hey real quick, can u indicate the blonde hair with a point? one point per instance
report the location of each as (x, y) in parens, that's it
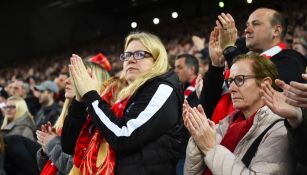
(21, 109)
(101, 74)
(154, 45)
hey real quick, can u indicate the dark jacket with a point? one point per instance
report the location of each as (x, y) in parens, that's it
(49, 113)
(148, 136)
(290, 65)
(20, 156)
(298, 143)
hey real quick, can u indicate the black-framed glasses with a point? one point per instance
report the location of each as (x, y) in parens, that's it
(137, 55)
(9, 107)
(239, 80)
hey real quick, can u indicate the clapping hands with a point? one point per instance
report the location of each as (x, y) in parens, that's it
(201, 129)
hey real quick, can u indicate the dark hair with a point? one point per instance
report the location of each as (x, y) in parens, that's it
(261, 67)
(278, 19)
(190, 61)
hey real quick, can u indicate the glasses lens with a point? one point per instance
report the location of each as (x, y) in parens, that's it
(139, 55)
(239, 80)
(124, 56)
(9, 107)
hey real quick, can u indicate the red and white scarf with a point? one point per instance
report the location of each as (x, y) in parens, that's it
(93, 155)
(190, 88)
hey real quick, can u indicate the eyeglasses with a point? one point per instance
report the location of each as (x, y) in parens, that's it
(239, 80)
(137, 55)
(9, 107)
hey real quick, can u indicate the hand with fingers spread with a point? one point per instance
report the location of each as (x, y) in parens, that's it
(215, 51)
(277, 102)
(201, 129)
(84, 80)
(199, 85)
(295, 92)
(228, 32)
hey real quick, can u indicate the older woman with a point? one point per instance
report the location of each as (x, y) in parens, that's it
(144, 124)
(17, 118)
(251, 140)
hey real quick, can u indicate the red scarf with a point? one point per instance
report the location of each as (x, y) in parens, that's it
(190, 88)
(90, 143)
(225, 106)
(236, 131)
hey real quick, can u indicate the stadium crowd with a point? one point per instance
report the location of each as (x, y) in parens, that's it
(219, 94)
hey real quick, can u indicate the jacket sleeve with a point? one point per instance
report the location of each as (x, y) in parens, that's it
(290, 66)
(297, 139)
(221, 161)
(41, 159)
(62, 161)
(212, 89)
(154, 110)
(194, 162)
(72, 126)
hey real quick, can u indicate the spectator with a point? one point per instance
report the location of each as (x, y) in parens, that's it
(186, 67)
(144, 126)
(50, 110)
(50, 157)
(241, 143)
(17, 118)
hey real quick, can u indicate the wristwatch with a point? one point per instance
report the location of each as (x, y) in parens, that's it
(229, 53)
(229, 50)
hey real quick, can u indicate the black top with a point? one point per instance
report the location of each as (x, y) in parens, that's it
(148, 136)
(20, 156)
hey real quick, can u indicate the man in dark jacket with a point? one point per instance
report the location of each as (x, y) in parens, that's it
(50, 110)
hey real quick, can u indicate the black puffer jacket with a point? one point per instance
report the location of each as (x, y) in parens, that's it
(148, 136)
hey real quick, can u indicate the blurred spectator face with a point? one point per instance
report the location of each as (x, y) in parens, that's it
(10, 110)
(69, 90)
(9, 88)
(44, 97)
(136, 68)
(298, 46)
(259, 31)
(60, 81)
(17, 89)
(183, 71)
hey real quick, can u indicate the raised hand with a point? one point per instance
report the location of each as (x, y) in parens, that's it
(277, 102)
(215, 51)
(228, 32)
(295, 92)
(83, 79)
